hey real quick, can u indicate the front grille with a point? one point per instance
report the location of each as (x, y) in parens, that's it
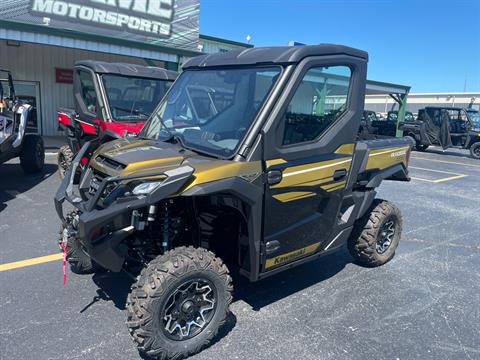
(95, 181)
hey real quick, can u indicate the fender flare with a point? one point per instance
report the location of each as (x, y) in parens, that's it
(23, 110)
(252, 195)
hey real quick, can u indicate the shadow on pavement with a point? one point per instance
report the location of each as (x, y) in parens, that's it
(14, 182)
(116, 286)
(461, 153)
(289, 282)
(111, 287)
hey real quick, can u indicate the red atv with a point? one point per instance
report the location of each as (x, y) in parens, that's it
(112, 100)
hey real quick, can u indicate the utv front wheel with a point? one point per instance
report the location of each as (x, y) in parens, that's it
(80, 262)
(376, 235)
(64, 160)
(475, 150)
(32, 156)
(179, 302)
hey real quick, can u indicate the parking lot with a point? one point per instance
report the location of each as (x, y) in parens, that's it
(423, 304)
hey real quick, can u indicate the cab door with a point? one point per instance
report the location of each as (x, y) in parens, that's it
(309, 144)
(87, 103)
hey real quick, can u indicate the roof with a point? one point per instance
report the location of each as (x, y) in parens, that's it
(271, 55)
(224, 41)
(377, 88)
(124, 69)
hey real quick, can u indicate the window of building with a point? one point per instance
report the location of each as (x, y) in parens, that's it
(318, 102)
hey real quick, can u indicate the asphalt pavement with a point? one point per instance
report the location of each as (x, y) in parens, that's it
(424, 304)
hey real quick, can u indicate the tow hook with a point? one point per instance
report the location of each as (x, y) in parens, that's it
(66, 235)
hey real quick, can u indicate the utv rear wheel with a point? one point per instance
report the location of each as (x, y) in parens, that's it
(376, 235)
(64, 160)
(32, 156)
(179, 303)
(475, 150)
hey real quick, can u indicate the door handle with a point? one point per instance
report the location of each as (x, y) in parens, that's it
(274, 177)
(339, 174)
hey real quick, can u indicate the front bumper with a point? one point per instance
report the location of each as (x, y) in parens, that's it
(101, 230)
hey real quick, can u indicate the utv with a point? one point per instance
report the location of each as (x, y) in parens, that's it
(112, 100)
(446, 127)
(250, 161)
(388, 127)
(367, 131)
(14, 141)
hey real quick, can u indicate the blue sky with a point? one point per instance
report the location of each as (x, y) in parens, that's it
(433, 46)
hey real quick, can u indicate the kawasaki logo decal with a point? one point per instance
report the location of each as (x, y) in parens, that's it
(288, 257)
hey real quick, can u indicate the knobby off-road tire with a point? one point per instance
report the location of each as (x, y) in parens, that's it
(80, 263)
(157, 302)
(376, 235)
(32, 156)
(475, 151)
(64, 160)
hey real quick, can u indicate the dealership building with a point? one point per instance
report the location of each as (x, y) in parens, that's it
(416, 101)
(40, 40)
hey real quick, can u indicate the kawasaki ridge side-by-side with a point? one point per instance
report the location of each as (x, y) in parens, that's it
(250, 162)
(448, 127)
(112, 100)
(15, 141)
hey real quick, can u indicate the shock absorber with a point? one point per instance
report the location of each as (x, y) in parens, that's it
(166, 223)
(152, 211)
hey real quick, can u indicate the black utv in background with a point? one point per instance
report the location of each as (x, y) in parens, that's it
(15, 141)
(388, 127)
(249, 163)
(446, 127)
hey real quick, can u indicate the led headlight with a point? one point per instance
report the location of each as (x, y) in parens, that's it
(146, 188)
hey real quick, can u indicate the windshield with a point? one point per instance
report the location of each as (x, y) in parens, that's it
(475, 118)
(133, 98)
(211, 110)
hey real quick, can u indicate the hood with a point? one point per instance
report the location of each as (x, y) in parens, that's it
(125, 157)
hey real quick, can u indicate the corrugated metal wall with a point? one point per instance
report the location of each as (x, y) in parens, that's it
(212, 47)
(33, 62)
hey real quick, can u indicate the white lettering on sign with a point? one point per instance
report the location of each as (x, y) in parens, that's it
(153, 15)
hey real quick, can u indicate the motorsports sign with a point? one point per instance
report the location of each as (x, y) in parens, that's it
(171, 23)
